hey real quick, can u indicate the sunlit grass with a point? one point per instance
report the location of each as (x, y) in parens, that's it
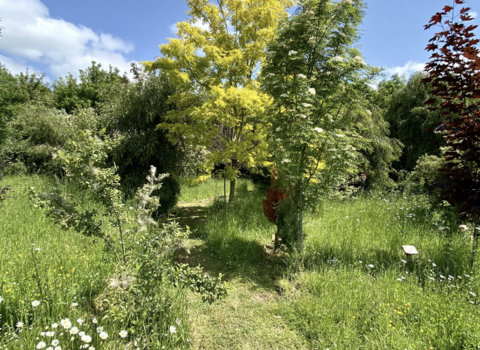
(354, 288)
(71, 268)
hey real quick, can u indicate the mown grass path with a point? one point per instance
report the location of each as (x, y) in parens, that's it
(247, 318)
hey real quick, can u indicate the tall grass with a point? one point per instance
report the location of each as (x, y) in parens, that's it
(48, 275)
(68, 269)
(354, 288)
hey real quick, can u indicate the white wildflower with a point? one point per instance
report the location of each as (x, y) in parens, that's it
(301, 76)
(103, 335)
(306, 105)
(123, 334)
(74, 330)
(80, 321)
(173, 329)
(66, 323)
(463, 228)
(371, 266)
(86, 339)
(369, 112)
(94, 320)
(19, 324)
(55, 325)
(50, 334)
(318, 129)
(35, 303)
(41, 345)
(74, 304)
(55, 342)
(312, 91)
(292, 52)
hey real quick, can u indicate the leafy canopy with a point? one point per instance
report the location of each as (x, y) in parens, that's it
(215, 66)
(319, 83)
(454, 74)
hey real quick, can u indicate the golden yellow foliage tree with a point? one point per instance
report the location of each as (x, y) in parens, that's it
(214, 63)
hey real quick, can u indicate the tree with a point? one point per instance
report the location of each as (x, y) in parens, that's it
(412, 122)
(215, 67)
(319, 83)
(15, 91)
(454, 74)
(134, 110)
(91, 89)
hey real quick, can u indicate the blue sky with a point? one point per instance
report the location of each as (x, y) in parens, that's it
(59, 36)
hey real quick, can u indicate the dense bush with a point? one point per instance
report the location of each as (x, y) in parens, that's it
(37, 131)
(32, 137)
(412, 122)
(89, 90)
(134, 111)
(16, 91)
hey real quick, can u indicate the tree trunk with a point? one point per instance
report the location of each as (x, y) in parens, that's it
(300, 230)
(233, 164)
(232, 191)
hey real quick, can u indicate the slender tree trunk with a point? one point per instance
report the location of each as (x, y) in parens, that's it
(225, 191)
(234, 164)
(232, 191)
(300, 229)
(475, 239)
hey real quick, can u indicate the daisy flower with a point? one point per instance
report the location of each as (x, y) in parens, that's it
(103, 335)
(35, 303)
(74, 330)
(66, 323)
(86, 338)
(41, 345)
(173, 329)
(123, 334)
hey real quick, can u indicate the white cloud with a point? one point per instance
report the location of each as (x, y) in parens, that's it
(473, 14)
(173, 28)
(201, 24)
(13, 66)
(197, 23)
(31, 36)
(409, 68)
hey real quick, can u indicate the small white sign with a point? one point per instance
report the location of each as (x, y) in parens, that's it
(410, 250)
